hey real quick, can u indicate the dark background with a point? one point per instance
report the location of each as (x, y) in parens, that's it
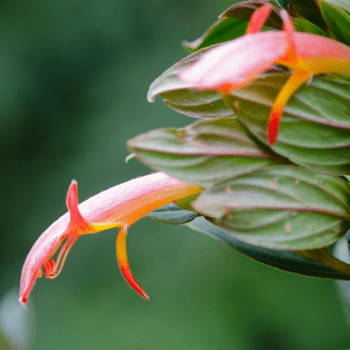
(73, 82)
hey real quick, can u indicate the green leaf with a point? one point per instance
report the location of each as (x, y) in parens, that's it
(344, 4)
(281, 259)
(324, 256)
(224, 29)
(202, 153)
(315, 127)
(280, 207)
(244, 11)
(184, 99)
(341, 251)
(310, 10)
(283, 3)
(338, 21)
(172, 214)
(303, 25)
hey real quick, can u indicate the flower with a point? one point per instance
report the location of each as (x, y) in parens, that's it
(119, 206)
(234, 64)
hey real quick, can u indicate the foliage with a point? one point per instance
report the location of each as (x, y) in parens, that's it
(270, 199)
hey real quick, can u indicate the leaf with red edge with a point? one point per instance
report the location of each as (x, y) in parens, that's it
(315, 127)
(244, 11)
(184, 99)
(281, 259)
(310, 10)
(303, 25)
(202, 153)
(338, 21)
(280, 207)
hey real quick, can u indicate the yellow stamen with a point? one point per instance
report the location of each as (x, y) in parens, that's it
(298, 78)
(124, 263)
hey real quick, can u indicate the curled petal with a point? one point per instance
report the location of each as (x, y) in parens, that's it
(76, 219)
(121, 205)
(258, 19)
(124, 263)
(235, 64)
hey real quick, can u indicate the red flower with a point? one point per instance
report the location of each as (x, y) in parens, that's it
(233, 65)
(119, 206)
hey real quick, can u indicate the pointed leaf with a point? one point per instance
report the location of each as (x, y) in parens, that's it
(244, 11)
(179, 96)
(315, 127)
(310, 10)
(303, 25)
(283, 4)
(185, 99)
(172, 214)
(344, 4)
(202, 153)
(281, 259)
(338, 21)
(280, 207)
(223, 30)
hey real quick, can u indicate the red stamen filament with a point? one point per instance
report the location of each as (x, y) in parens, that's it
(52, 269)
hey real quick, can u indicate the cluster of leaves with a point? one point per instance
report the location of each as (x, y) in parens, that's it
(282, 205)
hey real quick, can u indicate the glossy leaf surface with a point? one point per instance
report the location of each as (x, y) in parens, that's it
(172, 214)
(179, 96)
(338, 21)
(280, 207)
(203, 153)
(310, 10)
(315, 127)
(244, 10)
(344, 4)
(223, 30)
(281, 259)
(303, 25)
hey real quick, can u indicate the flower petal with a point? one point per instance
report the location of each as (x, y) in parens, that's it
(121, 205)
(236, 63)
(258, 19)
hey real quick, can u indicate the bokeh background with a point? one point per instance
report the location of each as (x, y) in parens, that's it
(73, 82)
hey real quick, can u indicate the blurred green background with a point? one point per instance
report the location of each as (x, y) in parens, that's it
(74, 78)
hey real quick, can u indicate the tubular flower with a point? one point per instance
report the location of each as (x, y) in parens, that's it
(119, 206)
(233, 65)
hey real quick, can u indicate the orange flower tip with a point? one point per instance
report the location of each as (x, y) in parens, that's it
(124, 263)
(131, 280)
(23, 300)
(274, 125)
(225, 88)
(258, 19)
